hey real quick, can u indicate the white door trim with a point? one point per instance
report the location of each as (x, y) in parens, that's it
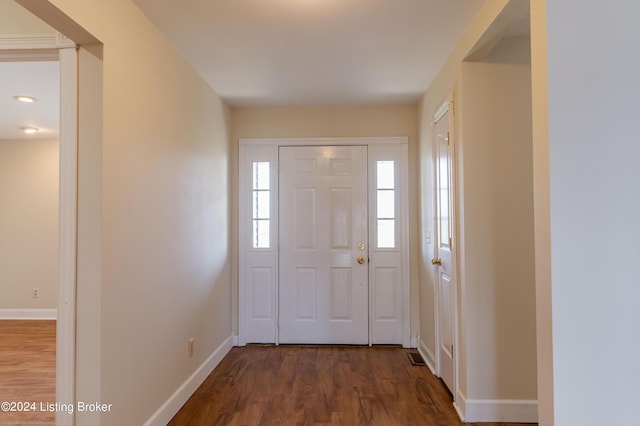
(278, 142)
(66, 324)
(269, 150)
(447, 107)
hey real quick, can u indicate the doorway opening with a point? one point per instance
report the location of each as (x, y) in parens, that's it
(29, 195)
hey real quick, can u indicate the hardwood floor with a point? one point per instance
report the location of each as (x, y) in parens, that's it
(27, 369)
(299, 385)
(256, 385)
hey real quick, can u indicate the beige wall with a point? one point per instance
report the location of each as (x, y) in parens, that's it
(496, 235)
(163, 214)
(333, 122)
(28, 223)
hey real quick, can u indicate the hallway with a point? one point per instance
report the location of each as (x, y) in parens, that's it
(320, 385)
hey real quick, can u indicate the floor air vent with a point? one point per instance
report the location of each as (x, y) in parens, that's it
(416, 358)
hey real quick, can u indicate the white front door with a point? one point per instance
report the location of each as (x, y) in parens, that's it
(443, 260)
(323, 289)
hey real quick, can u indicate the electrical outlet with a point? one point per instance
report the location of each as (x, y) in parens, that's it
(35, 292)
(190, 346)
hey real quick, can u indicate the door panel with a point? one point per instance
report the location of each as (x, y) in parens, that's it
(323, 291)
(261, 287)
(305, 218)
(386, 284)
(389, 264)
(340, 206)
(341, 296)
(306, 287)
(446, 289)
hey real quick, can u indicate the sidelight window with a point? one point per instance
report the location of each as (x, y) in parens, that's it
(386, 204)
(261, 197)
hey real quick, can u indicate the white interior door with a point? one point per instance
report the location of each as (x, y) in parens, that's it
(443, 259)
(323, 289)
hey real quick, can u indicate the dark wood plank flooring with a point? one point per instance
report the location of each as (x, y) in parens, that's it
(300, 385)
(27, 369)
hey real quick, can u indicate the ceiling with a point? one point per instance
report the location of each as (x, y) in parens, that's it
(36, 79)
(314, 52)
(277, 53)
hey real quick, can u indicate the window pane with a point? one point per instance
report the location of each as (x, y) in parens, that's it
(443, 199)
(386, 204)
(385, 175)
(261, 204)
(261, 175)
(261, 233)
(261, 199)
(386, 233)
(444, 217)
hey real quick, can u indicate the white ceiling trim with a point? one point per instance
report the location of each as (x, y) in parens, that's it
(12, 44)
(22, 55)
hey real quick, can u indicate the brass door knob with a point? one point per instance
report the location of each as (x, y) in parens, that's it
(361, 260)
(436, 261)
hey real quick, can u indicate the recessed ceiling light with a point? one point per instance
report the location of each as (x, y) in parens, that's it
(29, 130)
(23, 98)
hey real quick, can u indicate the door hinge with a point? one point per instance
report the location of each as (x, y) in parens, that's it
(450, 242)
(452, 350)
(448, 139)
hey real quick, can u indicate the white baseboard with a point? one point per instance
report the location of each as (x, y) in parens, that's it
(459, 404)
(235, 340)
(171, 406)
(414, 342)
(428, 357)
(497, 410)
(28, 314)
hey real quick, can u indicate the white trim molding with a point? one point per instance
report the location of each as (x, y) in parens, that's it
(414, 342)
(497, 410)
(325, 141)
(444, 108)
(52, 40)
(32, 47)
(28, 314)
(459, 403)
(67, 236)
(172, 405)
(428, 356)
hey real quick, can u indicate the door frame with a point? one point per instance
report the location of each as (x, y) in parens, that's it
(58, 48)
(447, 107)
(266, 149)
